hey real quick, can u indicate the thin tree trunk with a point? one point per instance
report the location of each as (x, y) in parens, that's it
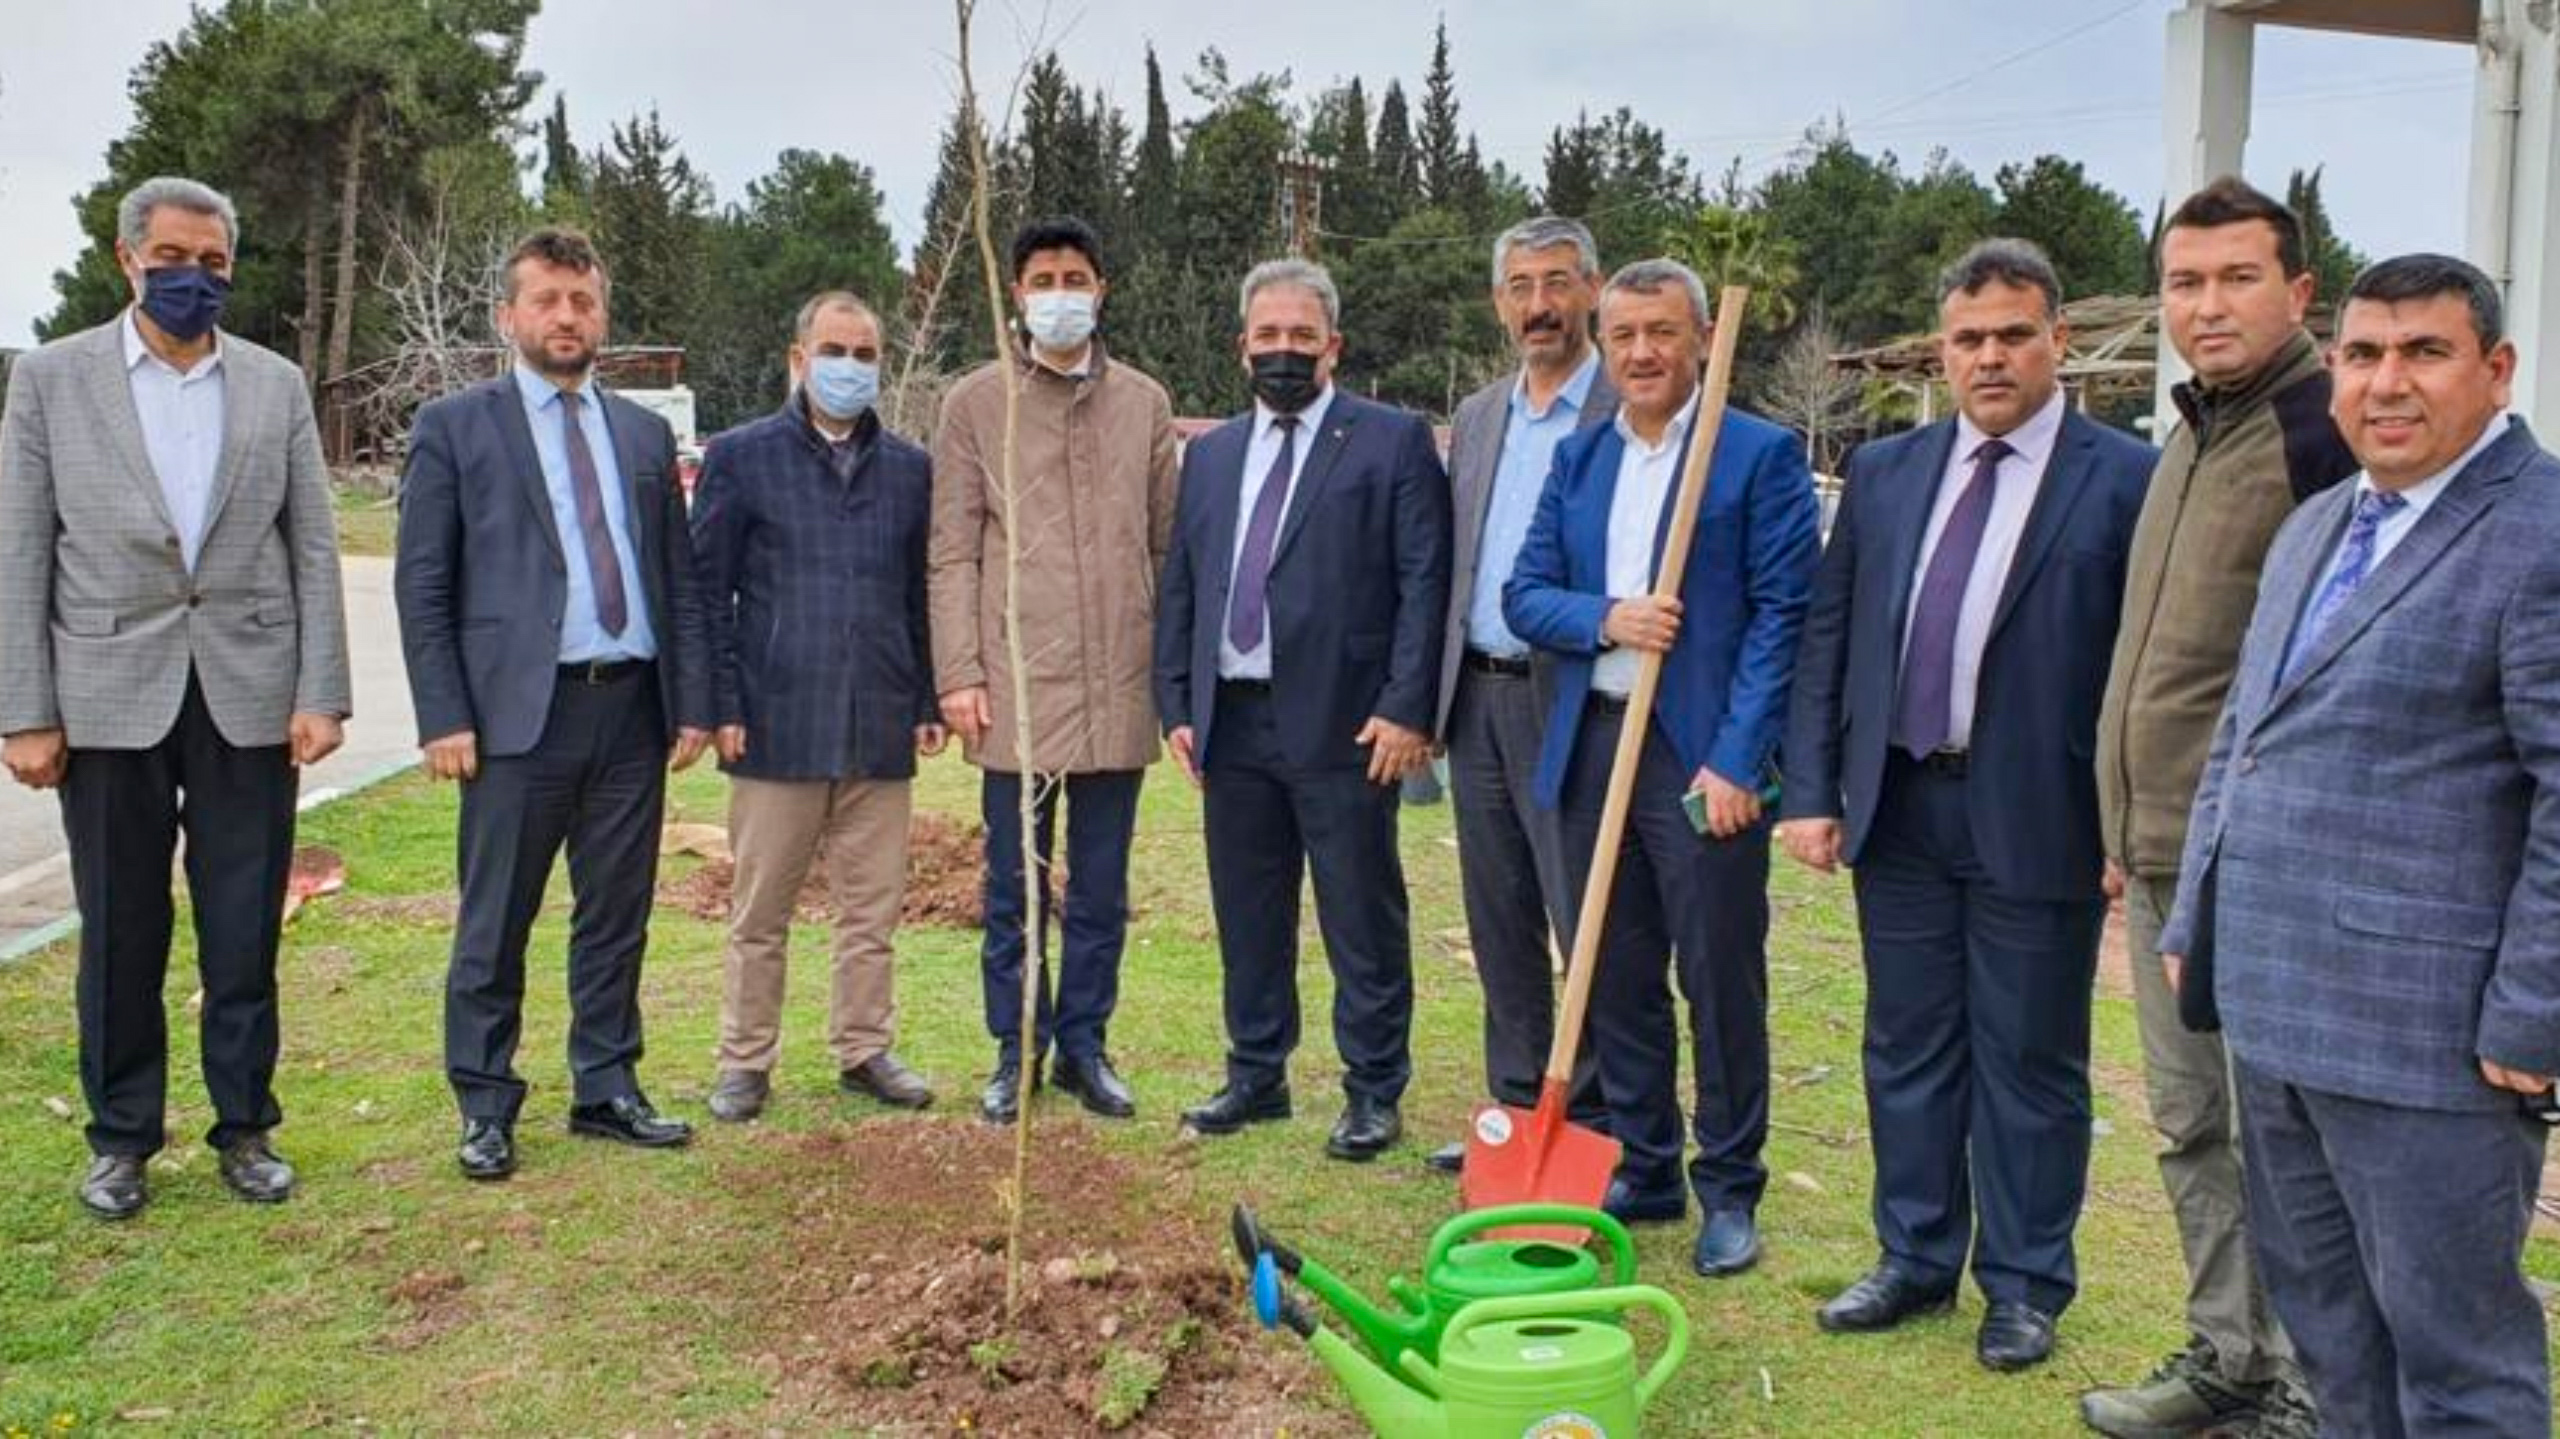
(315, 235)
(342, 318)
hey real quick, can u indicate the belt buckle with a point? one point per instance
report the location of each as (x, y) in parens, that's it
(592, 672)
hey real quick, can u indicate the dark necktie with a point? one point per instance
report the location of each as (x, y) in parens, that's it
(1926, 710)
(2355, 561)
(604, 568)
(1262, 534)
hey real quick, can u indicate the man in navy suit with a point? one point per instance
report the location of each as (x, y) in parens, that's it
(2370, 894)
(1939, 742)
(1298, 636)
(556, 652)
(1582, 589)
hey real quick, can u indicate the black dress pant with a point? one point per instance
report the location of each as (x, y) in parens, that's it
(1687, 905)
(596, 782)
(1268, 823)
(122, 812)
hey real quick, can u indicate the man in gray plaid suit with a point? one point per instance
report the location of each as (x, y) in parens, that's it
(2370, 895)
(172, 647)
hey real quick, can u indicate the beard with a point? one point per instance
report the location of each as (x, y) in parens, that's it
(537, 352)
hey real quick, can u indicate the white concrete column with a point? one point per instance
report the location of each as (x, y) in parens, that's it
(2515, 199)
(2205, 120)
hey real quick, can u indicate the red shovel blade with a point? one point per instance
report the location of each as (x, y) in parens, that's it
(1536, 1156)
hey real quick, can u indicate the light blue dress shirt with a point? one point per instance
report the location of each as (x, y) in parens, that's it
(2421, 496)
(1259, 456)
(182, 420)
(1529, 440)
(582, 636)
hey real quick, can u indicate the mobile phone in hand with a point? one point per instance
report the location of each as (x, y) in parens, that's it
(1693, 803)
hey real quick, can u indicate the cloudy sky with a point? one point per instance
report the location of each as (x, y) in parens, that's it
(740, 80)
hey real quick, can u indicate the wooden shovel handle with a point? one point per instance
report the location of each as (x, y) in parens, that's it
(1703, 431)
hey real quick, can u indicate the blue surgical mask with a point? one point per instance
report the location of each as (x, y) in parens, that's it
(183, 300)
(1059, 320)
(841, 386)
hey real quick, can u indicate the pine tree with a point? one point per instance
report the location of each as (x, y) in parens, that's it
(564, 170)
(1573, 172)
(1154, 177)
(652, 213)
(1393, 160)
(1338, 135)
(2333, 262)
(1440, 148)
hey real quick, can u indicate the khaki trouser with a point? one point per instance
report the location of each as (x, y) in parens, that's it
(2195, 1109)
(777, 828)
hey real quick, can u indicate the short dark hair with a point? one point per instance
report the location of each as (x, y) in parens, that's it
(2003, 261)
(1058, 232)
(2231, 200)
(559, 245)
(2423, 277)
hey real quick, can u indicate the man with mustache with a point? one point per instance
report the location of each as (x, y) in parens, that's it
(1546, 281)
(557, 658)
(1945, 707)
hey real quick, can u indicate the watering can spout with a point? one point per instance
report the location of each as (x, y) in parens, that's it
(1391, 1406)
(1387, 1334)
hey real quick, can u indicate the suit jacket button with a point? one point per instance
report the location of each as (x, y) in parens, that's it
(171, 542)
(2248, 764)
(194, 600)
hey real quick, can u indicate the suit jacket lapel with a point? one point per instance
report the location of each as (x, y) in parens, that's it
(515, 435)
(2284, 588)
(1227, 502)
(112, 386)
(1911, 525)
(629, 461)
(2063, 483)
(1312, 475)
(238, 405)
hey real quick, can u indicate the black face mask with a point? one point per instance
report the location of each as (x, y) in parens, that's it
(1285, 380)
(183, 300)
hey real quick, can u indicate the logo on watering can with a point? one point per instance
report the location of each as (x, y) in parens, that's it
(1493, 1126)
(1565, 1426)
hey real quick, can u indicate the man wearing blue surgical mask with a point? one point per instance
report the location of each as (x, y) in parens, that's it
(1091, 510)
(809, 532)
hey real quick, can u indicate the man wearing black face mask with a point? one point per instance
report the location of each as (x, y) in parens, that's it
(172, 647)
(1298, 635)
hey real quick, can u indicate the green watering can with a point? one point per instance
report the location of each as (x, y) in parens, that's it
(1462, 1267)
(1537, 1366)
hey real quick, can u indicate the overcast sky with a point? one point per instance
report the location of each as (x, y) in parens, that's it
(738, 81)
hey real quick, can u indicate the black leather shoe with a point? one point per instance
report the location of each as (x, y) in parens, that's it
(1365, 1130)
(739, 1095)
(2014, 1336)
(885, 1079)
(1881, 1299)
(115, 1188)
(488, 1149)
(1728, 1243)
(628, 1119)
(254, 1172)
(1001, 1101)
(1653, 1204)
(1231, 1109)
(1096, 1085)
(1448, 1158)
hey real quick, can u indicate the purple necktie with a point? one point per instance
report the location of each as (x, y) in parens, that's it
(2355, 561)
(603, 567)
(1261, 536)
(1926, 710)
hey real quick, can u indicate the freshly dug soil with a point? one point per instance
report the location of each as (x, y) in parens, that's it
(892, 1314)
(944, 876)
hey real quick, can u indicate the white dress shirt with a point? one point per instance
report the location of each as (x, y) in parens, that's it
(1259, 457)
(2021, 477)
(181, 414)
(1647, 476)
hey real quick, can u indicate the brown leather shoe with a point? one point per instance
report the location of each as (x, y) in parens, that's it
(738, 1095)
(883, 1078)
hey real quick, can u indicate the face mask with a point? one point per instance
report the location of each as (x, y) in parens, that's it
(841, 386)
(185, 301)
(1059, 319)
(1285, 380)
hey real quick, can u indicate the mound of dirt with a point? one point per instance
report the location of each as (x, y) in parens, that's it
(892, 1313)
(943, 880)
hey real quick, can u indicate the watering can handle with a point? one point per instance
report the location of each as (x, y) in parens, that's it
(1675, 1321)
(1622, 1245)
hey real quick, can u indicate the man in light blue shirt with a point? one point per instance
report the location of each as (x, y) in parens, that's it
(1546, 282)
(583, 637)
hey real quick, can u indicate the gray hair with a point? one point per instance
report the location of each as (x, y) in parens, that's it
(2003, 261)
(1292, 274)
(825, 300)
(1652, 277)
(133, 212)
(1545, 232)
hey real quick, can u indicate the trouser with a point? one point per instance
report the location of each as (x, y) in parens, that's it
(2196, 1113)
(1268, 824)
(1977, 1051)
(1102, 818)
(1511, 870)
(2392, 1243)
(596, 783)
(777, 830)
(1687, 905)
(122, 813)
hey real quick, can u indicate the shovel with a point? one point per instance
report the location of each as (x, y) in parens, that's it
(1538, 1156)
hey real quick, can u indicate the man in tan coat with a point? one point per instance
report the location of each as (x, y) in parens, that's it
(1094, 478)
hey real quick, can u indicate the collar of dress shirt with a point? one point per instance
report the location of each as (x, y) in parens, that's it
(540, 389)
(2424, 492)
(1310, 419)
(1576, 391)
(2032, 441)
(137, 349)
(1672, 434)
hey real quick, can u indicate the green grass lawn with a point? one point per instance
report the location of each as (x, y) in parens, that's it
(367, 522)
(606, 1291)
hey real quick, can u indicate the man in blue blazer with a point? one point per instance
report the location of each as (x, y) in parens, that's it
(1581, 589)
(2370, 895)
(556, 653)
(809, 529)
(1939, 741)
(1298, 634)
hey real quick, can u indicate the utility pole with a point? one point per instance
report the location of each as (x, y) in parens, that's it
(1301, 201)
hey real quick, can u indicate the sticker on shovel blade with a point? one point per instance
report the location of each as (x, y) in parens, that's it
(1493, 1126)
